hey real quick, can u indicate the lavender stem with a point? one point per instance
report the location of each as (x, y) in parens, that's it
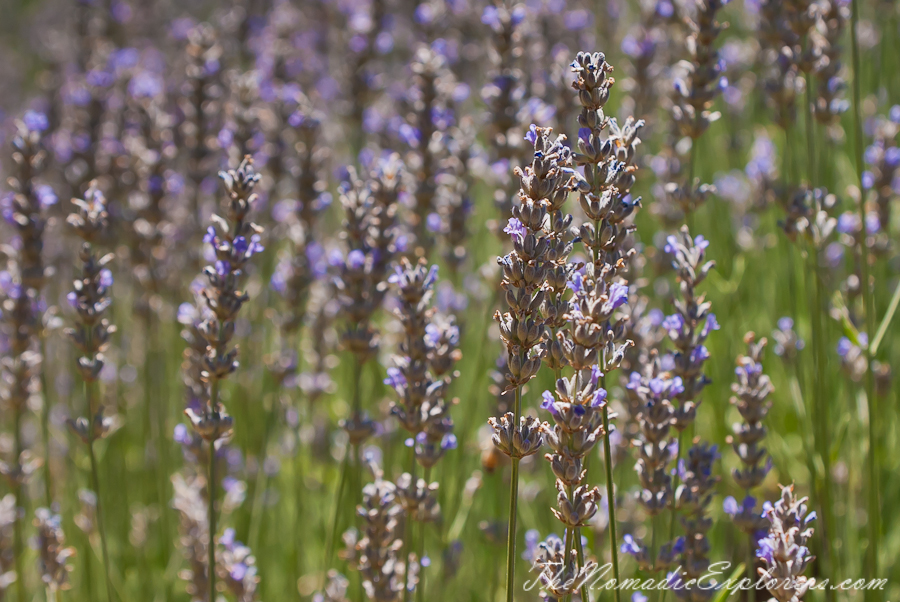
(868, 313)
(513, 500)
(211, 487)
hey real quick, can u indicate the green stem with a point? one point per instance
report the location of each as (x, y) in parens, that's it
(17, 491)
(579, 549)
(211, 486)
(689, 214)
(821, 417)
(662, 591)
(95, 479)
(45, 425)
(570, 536)
(407, 527)
(329, 546)
(818, 338)
(513, 501)
(869, 317)
(610, 499)
(420, 552)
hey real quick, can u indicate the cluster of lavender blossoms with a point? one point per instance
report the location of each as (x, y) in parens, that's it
(379, 550)
(695, 91)
(372, 237)
(751, 391)
(784, 550)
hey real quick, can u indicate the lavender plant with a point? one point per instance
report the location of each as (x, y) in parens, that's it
(235, 240)
(22, 311)
(90, 299)
(751, 391)
(522, 327)
(53, 558)
(424, 369)
(694, 95)
(604, 195)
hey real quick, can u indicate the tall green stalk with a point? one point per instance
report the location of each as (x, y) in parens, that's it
(420, 552)
(45, 424)
(820, 404)
(868, 314)
(211, 490)
(17, 492)
(408, 529)
(610, 500)
(95, 480)
(513, 502)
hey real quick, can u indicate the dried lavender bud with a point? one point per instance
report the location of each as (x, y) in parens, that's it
(53, 556)
(784, 550)
(517, 441)
(378, 551)
(560, 574)
(750, 398)
(235, 240)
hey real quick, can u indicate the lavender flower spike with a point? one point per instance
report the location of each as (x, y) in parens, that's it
(784, 551)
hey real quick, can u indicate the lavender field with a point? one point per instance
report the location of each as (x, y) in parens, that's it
(408, 300)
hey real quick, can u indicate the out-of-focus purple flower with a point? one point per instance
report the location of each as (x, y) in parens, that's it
(433, 222)
(395, 378)
(409, 135)
(35, 121)
(630, 546)
(223, 267)
(186, 313)
(356, 259)
(834, 254)
(844, 346)
(491, 17)
(576, 20)
(106, 278)
(894, 114)
(46, 196)
(449, 442)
